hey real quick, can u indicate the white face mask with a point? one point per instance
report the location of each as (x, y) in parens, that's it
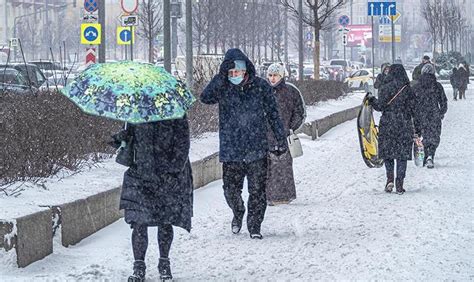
(236, 80)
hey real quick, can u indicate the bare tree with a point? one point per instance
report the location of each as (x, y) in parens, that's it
(317, 18)
(150, 17)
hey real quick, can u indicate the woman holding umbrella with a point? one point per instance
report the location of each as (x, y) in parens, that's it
(157, 188)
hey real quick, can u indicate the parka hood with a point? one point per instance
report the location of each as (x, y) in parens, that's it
(236, 54)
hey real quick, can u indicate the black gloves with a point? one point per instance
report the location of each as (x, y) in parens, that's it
(225, 67)
(279, 150)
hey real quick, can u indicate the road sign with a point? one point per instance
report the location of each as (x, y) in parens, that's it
(14, 42)
(90, 56)
(129, 20)
(309, 36)
(129, 6)
(125, 35)
(91, 5)
(90, 33)
(385, 33)
(395, 17)
(344, 20)
(388, 19)
(344, 30)
(381, 8)
(359, 35)
(90, 18)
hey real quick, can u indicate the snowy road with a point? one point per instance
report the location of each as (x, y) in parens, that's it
(342, 226)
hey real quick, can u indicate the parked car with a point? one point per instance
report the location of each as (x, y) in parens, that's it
(336, 72)
(12, 81)
(32, 73)
(308, 72)
(345, 64)
(51, 68)
(360, 80)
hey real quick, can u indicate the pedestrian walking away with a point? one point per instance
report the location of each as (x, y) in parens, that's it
(463, 79)
(281, 187)
(431, 106)
(453, 79)
(396, 101)
(246, 105)
(417, 71)
(381, 76)
(157, 189)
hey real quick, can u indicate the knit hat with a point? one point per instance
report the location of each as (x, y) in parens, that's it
(425, 57)
(240, 65)
(276, 68)
(428, 68)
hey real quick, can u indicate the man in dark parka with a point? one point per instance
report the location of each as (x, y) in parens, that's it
(157, 189)
(396, 101)
(431, 107)
(417, 71)
(462, 76)
(246, 104)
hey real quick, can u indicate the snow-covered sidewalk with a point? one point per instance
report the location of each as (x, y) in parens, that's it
(342, 225)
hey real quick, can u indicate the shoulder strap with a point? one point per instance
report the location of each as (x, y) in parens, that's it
(396, 95)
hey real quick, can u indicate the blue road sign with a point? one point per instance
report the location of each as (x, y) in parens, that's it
(126, 35)
(91, 33)
(91, 5)
(344, 20)
(309, 36)
(384, 20)
(382, 8)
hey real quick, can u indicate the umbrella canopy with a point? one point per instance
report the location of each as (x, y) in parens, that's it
(129, 91)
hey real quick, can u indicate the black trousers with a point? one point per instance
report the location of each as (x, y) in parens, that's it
(140, 240)
(390, 167)
(233, 177)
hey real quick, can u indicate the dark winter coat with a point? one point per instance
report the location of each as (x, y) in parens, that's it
(158, 187)
(280, 179)
(244, 111)
(453, 79)
(379, 80)
(290, 107)
(462, 78)
(417, 71)
(431, 106)
(396, 125)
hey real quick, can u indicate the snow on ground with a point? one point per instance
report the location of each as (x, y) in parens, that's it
(108, 174)
(342, 225)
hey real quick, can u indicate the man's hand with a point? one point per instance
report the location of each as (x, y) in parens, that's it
(225, 67)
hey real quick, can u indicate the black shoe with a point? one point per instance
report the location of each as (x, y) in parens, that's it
(164, 269)
(399, 186)
(256, 236)
(139, 271)
(236, 224)
(429, 162)
(389, 186)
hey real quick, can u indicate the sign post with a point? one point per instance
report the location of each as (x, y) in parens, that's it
(344, 21)
(129, 7)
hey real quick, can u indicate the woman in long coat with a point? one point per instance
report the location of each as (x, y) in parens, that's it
(462, 76)
(280, 188)
(431, 107)
(157, 189)
(396, 101)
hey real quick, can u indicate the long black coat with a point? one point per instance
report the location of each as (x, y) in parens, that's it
(462, 78)
(431, 106)
(291, 108)
(244, 111)
(396, 124)
(158, 187)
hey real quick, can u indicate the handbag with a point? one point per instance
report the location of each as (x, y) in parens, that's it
(294, 145)
(125, 152)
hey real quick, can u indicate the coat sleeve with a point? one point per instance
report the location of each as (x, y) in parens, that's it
(270, 108)
(182, 144)
(299, 114)
(442, 100)
(211, 93)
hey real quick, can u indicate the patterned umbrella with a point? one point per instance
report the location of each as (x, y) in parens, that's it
(129, 91)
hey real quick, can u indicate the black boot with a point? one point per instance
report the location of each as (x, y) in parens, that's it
(139, 271)
(236, 224)
(164, 269)
(389, 185)
(399, 186)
